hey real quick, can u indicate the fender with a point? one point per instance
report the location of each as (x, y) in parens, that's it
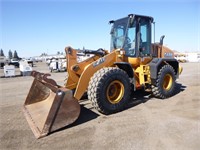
(126, 67)
(156, 64)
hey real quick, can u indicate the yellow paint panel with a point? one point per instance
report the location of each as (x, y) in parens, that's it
(106, 61)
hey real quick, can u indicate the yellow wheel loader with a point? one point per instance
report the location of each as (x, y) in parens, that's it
(106, 77)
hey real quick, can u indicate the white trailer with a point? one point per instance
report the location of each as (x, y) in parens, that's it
(9, 70)
(58, 65)
(25, 68)
(193, 57)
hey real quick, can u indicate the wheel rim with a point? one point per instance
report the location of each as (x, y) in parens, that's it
(167, 84)
(115, 92)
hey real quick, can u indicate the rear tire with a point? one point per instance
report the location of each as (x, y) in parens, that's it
(109, 90)
(165, 83)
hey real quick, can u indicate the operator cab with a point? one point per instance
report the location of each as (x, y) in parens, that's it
(133, 34)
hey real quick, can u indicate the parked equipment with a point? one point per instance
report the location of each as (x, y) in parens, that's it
(57, 65)
(3, 61)
(14, 62)
(181, 57)
(9, 71)
(107, 77)
(25, 68)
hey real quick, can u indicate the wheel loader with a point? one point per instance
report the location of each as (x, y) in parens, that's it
(108, 77)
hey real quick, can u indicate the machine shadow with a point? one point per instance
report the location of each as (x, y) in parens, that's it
(16, 76)
(86, 115)
(180, 88)
(137, 97)
(141, 96)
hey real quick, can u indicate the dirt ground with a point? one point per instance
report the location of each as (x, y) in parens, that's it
(147, 124)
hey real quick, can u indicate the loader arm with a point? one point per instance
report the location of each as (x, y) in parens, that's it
(80, 73)
(75, 69)
(106, 61)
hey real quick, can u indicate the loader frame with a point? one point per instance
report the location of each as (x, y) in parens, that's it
(107, 77)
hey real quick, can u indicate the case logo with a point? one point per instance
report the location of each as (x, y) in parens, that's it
(99, 61)
(168, 55)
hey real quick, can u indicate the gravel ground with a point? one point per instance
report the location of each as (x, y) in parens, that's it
(148, 123)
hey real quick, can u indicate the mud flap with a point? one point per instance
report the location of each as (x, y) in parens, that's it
(49, 107)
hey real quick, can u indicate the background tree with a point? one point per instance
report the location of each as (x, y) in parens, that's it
(1, 53)
(15, 55)
(10, 55)
(58, 53)
(44, 54)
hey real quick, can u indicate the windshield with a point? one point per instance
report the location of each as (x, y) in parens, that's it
(118, 33)
(133, 34)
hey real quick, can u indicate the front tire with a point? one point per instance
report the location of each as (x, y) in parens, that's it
(165, 83)
(109, 90)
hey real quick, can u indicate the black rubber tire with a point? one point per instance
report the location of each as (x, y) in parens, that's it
(158, 90)
(99, 86)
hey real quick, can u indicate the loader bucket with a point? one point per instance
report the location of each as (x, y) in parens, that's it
(49, 107)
